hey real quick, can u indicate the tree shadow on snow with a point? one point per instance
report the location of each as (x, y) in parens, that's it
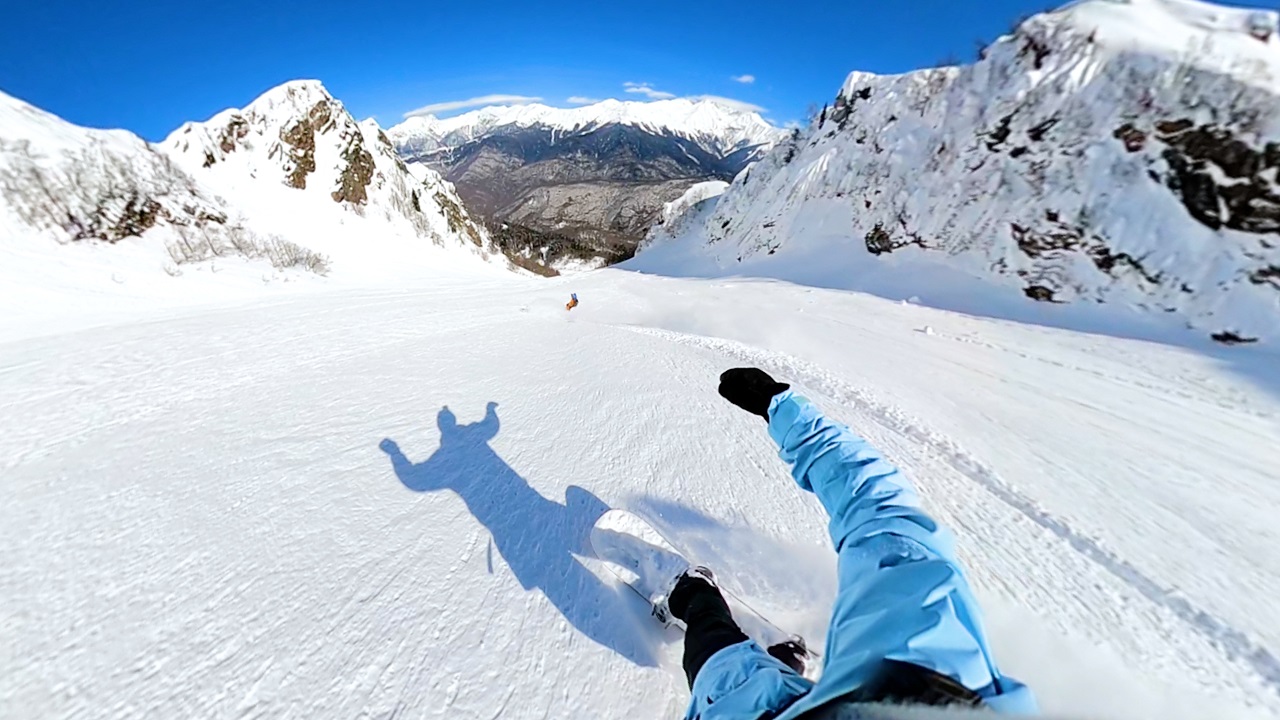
(537, 537)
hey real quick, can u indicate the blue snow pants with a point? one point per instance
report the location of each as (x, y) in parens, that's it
(902, 595)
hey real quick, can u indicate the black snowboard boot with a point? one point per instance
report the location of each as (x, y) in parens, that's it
(792, 653)
(710, 627)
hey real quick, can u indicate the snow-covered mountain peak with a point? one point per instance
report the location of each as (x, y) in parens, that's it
(1190, 30)
(1119, 152)
(66, 183)
(717, 127)
(299, 137)
(21, 121)
(1243, 43)
(291, 97)
(418, 125)
(282, 123)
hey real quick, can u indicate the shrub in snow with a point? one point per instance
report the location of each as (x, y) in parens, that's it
(187, 247)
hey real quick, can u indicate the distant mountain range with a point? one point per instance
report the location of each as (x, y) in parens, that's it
(599, 174)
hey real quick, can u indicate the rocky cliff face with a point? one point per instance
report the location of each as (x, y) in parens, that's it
(73, 184)
(600, 174)
(292, 180)
(300, 137)
(1111, 152)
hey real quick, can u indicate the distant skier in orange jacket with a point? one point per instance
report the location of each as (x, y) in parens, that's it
(573, 301)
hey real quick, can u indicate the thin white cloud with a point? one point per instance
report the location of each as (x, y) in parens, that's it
(744, 79)
(481, 101)
(646, 90)
(729, 103)
(579, 100)
(793, 125)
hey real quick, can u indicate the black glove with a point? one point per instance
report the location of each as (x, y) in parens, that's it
(750, 389)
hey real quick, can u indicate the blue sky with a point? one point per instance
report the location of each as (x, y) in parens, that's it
(149, 66)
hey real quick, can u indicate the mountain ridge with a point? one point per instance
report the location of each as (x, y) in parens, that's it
(599, 175)
(718, 128)
(290, 182)
(65, 183)
(296, 145)
(1106, 153)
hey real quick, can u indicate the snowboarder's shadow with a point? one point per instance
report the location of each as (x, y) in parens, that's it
(537, 537)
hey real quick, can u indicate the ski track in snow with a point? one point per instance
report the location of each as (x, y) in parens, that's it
(1237, 645)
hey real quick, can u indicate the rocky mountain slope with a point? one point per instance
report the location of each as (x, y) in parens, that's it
(63, 183)
(300, 138)
(600, 174)
(290, 182)
(1110, 152)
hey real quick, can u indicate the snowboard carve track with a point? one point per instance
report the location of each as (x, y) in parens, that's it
(1234, 643)
(1236, 402)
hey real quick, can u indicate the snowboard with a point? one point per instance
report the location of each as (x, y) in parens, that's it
(645, 561)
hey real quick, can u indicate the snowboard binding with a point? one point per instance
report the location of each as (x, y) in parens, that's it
(661, 607)
(794, 653)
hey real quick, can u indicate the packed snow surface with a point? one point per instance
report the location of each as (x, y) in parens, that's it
(202, 517)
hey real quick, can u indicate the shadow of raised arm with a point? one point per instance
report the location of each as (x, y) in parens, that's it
(537, 536)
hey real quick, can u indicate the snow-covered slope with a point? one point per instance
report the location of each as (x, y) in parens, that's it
(64, 183)
(200, 519)
(1120, 152)
(100, 221)
(701, 192)
(92, 221)
(300, 137)
(681, 213)
(717, 128)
